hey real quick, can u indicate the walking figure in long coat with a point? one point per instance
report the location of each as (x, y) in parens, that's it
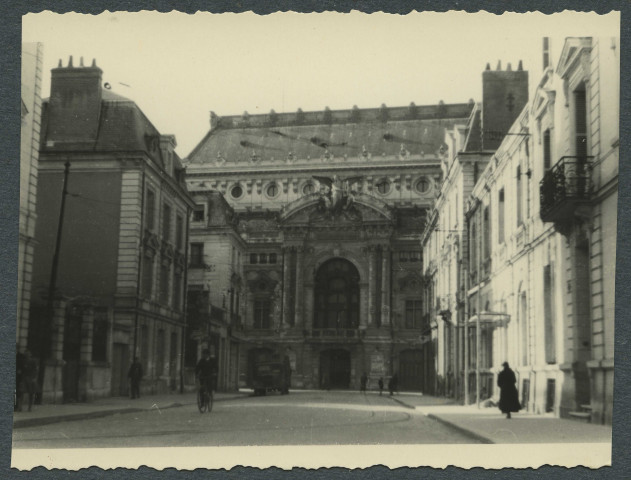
(509, 399)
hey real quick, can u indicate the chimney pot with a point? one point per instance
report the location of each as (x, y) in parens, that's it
(59, 65)
(509, 68)
(70, 62)
(94, 62)
(499, 65)
(488, 66)
(520, 67)
(81, 61)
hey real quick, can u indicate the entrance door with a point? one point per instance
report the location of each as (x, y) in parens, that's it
(335, 369)
(120, 365)
(411, 370)
(71, 356)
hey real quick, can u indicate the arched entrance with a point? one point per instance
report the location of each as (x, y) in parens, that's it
(411, 370)
(336, 295)
(335, 368)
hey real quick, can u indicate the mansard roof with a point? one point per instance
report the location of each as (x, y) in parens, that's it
(353, 133)
(122, 127)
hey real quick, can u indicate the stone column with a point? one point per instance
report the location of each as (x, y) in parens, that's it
(385, 284)
(298, 310)
(372, 285)
(286, 285)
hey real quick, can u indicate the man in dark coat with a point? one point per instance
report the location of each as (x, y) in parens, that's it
(29, 378)
(509, 399)
(19, 379)
(393, 384)
(135, 375)
(362, 383)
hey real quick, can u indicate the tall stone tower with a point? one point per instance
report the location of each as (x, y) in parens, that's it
(504, 94)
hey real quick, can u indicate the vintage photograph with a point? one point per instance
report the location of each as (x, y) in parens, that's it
(326, 239)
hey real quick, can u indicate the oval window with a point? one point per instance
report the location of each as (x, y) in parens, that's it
(383, 186)
(272, 190)
(236, 191)
(422, 186)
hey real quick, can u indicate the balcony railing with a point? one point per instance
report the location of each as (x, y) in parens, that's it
(349, 333)
(563, 187)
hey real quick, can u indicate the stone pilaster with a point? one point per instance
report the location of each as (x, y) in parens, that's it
(85, 368)
(286, 285)
(299, 285)
(87, 330)
(52, 389)
(385, 286)
(372, 285)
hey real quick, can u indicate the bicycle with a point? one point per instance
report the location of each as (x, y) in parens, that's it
(204, 399)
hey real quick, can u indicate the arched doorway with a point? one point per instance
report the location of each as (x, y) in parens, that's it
(335, 369)
(336, 295)
(411, 370)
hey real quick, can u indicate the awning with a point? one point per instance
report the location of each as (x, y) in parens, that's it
(490, 319)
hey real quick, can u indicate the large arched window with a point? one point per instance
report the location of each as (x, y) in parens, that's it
(336, 303)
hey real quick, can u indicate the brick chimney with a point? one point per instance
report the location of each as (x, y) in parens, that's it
(75, 103)
(504, 95)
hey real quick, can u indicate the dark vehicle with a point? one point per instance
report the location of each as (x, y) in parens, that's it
(270, 372)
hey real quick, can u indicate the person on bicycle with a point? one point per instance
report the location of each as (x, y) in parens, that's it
(206, 370)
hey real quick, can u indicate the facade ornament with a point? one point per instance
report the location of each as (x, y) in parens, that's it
(337, 194)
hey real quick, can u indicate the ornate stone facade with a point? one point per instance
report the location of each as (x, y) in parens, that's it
(328, 209)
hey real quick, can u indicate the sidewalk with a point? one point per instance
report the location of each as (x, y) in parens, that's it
(54, 413)
(489, 425)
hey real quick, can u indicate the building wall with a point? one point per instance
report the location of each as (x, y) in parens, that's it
(32, 55)
(122, 263)
(557, 276)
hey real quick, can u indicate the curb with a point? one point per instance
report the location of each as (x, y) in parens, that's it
(464, 431)
(41, 421)
(403, 404)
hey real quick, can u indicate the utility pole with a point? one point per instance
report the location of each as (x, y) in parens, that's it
(52, 285)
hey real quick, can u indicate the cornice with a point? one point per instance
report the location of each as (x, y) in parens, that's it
(433, 163)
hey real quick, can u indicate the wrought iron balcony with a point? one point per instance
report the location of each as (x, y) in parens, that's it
(564, 187)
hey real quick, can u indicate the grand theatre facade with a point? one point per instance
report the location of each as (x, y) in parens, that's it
(309, 226)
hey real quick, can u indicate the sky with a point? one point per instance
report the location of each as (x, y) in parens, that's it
(179, 67)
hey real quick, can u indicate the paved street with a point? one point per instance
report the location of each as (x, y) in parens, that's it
(301, 418)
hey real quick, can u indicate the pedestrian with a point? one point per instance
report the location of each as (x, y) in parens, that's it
(509, 399)
(19, 379)
(135, 376)
(362, 383)
(29, 378)
(393, 384)
(380, 385)
(206, 371)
